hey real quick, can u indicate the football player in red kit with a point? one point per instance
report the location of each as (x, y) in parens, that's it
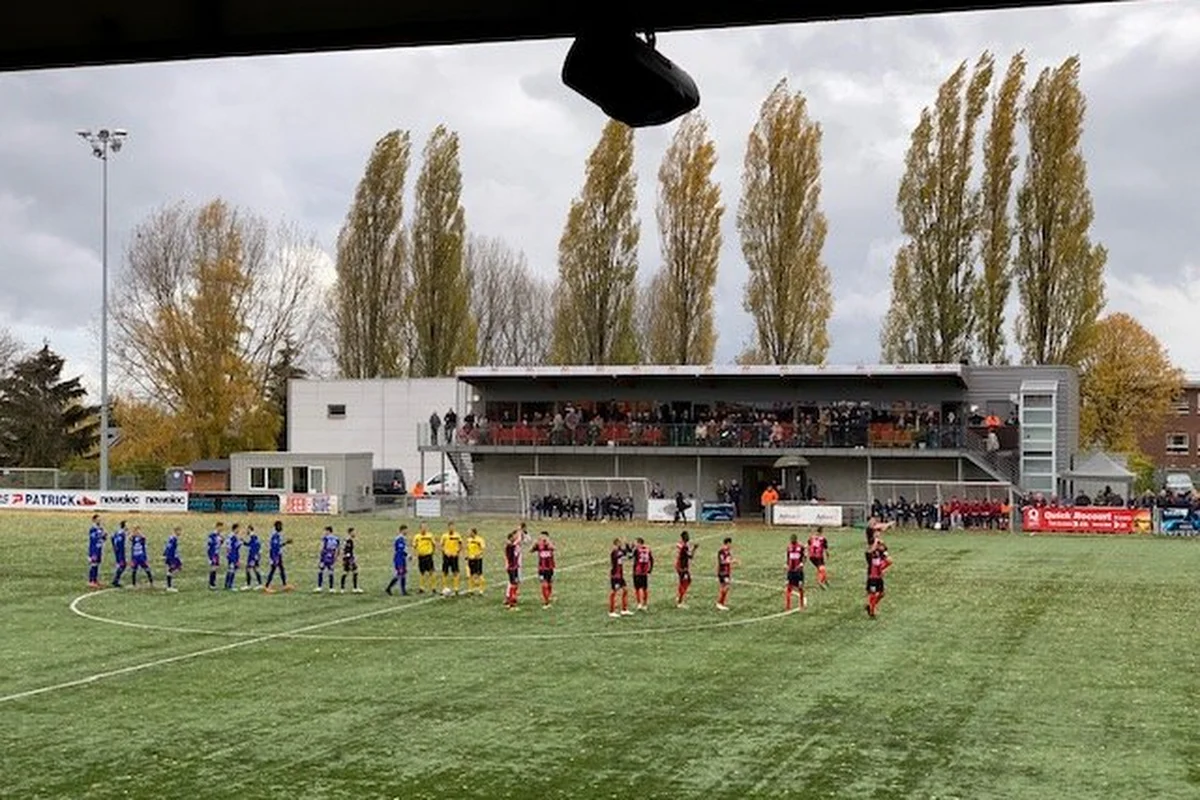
(643, 565)
(795, 573)
(877, 564)
(620, 551)
(685, 551)
(543, 548)
(818, 547)
(512, 563)
(725, 564)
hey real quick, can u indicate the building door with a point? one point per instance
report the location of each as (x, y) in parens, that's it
(754, 480)
(300, 480)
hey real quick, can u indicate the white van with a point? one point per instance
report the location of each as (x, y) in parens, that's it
(1180, 483)
(443, 483)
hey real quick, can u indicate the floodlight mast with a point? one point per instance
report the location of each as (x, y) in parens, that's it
(103, 142)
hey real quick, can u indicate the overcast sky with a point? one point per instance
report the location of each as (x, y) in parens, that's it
(288, 137)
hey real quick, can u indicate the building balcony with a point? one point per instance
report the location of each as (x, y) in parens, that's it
(692, 439)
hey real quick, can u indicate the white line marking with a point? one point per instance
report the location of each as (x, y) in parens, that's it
(207, 651)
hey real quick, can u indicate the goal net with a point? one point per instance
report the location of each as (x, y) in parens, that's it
(585, 498)
(944, 505)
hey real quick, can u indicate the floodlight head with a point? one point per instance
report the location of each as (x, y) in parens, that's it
(115, 145)
(630, 80)
(97, 151)
(120, 133)
(83, 133)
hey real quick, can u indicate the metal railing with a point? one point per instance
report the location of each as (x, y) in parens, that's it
(815, 435)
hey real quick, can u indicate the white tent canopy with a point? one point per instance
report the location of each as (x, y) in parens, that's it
(1097, 470)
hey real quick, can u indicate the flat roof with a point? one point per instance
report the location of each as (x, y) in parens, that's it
(952, 371)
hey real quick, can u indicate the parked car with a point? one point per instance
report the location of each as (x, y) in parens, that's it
(388, 484)
(1180, 483)
(443, 483)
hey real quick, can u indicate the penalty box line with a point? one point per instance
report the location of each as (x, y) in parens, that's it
(99, 676)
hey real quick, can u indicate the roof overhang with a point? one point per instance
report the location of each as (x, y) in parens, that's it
(943, 372)
(75, 33)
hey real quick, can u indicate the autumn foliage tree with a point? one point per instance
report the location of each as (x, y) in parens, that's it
(509, 305)
(1127, 384)
(994, 285)
(931, 315)
(680, 295)
(782, 228)
(207, 299)
(595, 297)
(443, 333)
(1059, 270)
(369, 296)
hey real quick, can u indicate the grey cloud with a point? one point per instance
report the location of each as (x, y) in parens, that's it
(289, 137)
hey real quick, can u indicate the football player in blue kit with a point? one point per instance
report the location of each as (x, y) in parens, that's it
(329, 551)
(253, 558)
(171, 559)
(139, 555)
(96, 537)
(233, 556)
(213, 545)
(118, 548)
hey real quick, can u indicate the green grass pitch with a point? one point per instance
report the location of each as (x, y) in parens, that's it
(1002, 666)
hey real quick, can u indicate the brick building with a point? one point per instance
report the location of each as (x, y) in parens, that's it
(1175, 445)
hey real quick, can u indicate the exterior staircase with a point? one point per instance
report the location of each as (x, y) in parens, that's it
(465, 467)
(1003, 465)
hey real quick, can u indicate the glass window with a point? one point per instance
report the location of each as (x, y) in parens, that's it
(1177, 443)
(258, 478)
(275, 478)
(300, 480)
(1183, 405)
(1038, 416)
(316, 480)
(1038, 401)
(336, 410)
(1038, 466)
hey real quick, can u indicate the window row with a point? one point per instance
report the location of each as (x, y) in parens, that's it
(294, 480)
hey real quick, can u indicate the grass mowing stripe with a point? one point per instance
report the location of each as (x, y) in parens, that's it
(99, 676)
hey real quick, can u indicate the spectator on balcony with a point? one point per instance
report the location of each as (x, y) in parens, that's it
(450, 424)
(435, 423)
(993, 441)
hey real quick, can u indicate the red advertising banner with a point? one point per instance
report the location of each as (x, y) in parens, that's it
(1085, 519)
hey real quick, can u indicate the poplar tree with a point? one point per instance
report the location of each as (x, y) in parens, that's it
(680, 301)
(441, 328)
(782, 228)
(369, 296)
(595, 297)
(1059, 270)
(931, 318)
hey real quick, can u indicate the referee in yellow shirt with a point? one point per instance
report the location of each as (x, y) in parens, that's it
(424, 544)
(475, 548)
(452, 543)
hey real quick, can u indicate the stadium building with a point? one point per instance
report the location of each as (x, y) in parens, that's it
(843, 429)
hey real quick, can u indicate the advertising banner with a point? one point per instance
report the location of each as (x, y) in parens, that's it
(228, 503)
(72, 500)
(308, 503)
(806, 514)
(716, 512)
(1085, 519)
(663, 510)
(1179, 521)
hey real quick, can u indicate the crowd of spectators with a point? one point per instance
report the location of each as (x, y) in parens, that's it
(609, 508)
(951, 514)
(834, 425)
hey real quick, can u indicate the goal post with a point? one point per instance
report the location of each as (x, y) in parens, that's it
(945, 505)
(574, 495)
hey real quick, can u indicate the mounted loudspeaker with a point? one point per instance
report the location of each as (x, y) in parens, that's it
(630, 80)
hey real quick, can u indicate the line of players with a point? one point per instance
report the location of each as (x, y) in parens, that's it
(452, 545)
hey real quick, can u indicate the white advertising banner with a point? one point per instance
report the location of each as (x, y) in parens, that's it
(72, 500)
(428, 507)
(308, 504)
(806, 514)
(663, 510)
